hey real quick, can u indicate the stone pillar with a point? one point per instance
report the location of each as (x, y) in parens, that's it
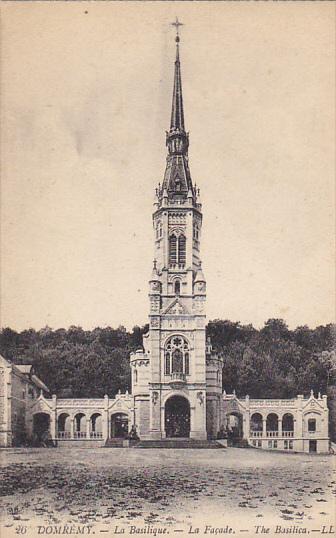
(53, 418)
(264, 434)
(88, 428)
(105, 419)
(279, 427)
(198, 416)
(155, 415)
(163, 430)
(246, 424)
(72, 428)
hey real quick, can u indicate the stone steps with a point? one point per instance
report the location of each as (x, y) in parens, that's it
(178, 443)
(114, 443)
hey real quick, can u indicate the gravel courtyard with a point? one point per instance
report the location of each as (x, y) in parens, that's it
(172, 489)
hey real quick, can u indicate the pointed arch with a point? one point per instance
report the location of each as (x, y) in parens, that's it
(182, 243)
(172, 249)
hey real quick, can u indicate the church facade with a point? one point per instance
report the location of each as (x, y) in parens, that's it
(176, 381)
(176, 377)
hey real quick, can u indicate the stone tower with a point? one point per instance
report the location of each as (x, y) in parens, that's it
(175, 378)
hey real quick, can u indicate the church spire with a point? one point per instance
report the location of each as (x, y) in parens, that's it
(177, 115)
(177, 181)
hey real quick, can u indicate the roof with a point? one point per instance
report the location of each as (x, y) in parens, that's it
(27, 370)
(39, 383)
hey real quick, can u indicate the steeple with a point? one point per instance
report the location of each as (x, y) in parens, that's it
(177, 182)
(177, 115)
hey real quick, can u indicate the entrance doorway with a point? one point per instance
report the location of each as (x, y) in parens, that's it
(119, 425)
(234, 428)
(312, 445)
(177, 417)
(41, 428)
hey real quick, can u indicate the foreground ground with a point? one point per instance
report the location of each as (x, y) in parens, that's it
(176, 490)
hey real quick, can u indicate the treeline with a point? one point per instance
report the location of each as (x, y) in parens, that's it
(275, 362)
(271, 362)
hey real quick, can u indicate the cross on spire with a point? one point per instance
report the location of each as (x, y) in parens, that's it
(177, 24)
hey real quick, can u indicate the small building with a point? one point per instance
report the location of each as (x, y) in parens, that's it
(298, 424)
(85, 422)
(19, 389)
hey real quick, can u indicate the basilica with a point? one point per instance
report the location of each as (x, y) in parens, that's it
(176, 377)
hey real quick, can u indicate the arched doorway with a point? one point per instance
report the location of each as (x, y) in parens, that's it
(64, 426)
(119, 425)
(272, 425)
(96, 426)
(288, 425)
(80, 426)
(234, 427)
(41, 427)
(177, 417)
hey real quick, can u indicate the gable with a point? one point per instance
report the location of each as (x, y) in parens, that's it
(176, 309)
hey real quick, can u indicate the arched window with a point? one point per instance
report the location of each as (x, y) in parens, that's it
(172, 250)
(167, 363)
(177, 250)
(182, 250)
(177, 361)
(177, 287)
(159, 230)
(312, 424)
(177, 357)
(135, 376)
(186, 363)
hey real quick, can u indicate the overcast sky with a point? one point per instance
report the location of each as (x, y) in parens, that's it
(86, 102)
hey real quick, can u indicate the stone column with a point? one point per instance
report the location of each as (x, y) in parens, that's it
(279, 427)
(264, 434)
(154, 414)
(198, 416)
(105, 418)
(53, 418)
(72, 428)
(88, 428)
(246, 425)
(163, 430)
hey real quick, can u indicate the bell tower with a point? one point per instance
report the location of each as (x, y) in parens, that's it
(169, 376)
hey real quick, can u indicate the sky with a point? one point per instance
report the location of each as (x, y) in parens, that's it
(86, 98)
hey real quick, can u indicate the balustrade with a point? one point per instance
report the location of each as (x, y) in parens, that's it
(79, 435)
(178, 376)
(288, 433)
(272, 434)
(64, 435)
(177, 266)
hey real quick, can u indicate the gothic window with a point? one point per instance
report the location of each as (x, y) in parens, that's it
(312, 425)
(135, 376)
(177, 250)
(177, 287)
(172, 250)
(196, 232)
(167, 364)
(182, 250)
(177, 355)
(159, 230)
(186, 363)
(177, 361)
